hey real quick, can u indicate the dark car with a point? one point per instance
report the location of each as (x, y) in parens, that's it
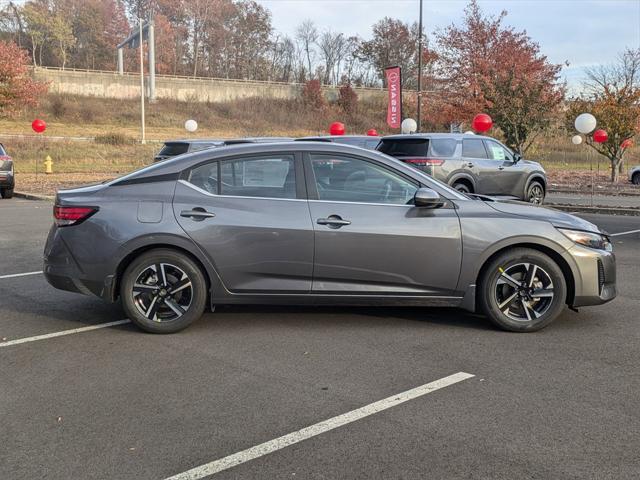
(470, 164)
(7, 174)
(363, 141)
(310, 223)
(174, 148)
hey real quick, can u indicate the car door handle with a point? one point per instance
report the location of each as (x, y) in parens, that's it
(198, 214)
(333, 221)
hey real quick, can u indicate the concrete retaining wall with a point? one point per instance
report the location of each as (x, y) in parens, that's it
(112, 85)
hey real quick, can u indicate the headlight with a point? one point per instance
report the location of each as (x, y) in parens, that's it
(588, 239)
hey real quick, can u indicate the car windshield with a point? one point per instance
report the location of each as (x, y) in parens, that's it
(171, 149)
(5, 165)
(404, 147)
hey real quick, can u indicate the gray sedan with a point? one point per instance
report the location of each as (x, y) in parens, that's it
(317, 223)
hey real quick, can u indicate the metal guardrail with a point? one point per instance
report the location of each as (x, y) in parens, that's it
(183, 77)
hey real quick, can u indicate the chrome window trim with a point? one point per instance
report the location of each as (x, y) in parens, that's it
(204, 192)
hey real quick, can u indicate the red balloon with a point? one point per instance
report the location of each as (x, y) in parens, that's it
(627, 143)
(600, 136)
(482, 123)
(38, 125)
(372, 132)
(336, 128)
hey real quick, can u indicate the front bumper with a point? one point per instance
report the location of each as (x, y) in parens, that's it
(596, 276)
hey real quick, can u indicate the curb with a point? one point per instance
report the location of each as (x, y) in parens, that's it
(33, 196)
(596, 194)
(595, 209)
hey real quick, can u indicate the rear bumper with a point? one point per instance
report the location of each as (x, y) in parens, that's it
(7, 181)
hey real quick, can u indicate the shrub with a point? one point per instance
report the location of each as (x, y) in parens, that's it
(348, 99)
(59, 106)
(312, 94)
(113, 138)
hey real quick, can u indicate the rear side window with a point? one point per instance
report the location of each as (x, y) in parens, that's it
(443, 147)
(473, 148)
(406, 147)
(172, 149)
(271, 176)
(2, 150)
(205, 177)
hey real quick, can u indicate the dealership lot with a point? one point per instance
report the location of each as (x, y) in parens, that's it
(117, 403)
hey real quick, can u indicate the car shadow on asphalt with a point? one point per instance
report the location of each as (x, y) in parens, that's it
(450, 317)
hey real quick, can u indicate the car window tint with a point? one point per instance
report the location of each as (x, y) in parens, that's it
(174, 148)
(406, 147)
(2, 150)
(473, 148)
(273, 177)
(347, 179)
(443, 147)
(205, 177)
(498, 152)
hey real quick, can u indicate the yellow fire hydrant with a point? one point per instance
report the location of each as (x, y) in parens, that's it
(48, 164)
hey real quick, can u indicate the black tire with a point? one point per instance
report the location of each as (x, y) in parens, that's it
(6, 192)
(494, 289)
(535, 193)
(179, 270)
(636, 178)
(462, 187)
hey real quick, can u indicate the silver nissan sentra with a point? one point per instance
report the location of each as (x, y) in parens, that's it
(308, 223)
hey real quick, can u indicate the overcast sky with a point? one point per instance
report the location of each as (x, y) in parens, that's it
(582, 32)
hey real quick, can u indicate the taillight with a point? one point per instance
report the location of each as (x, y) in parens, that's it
(424, 162)
(66, 216)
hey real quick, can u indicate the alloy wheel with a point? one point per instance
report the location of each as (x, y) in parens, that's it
(162, 292)
(524, 292)
(536, 194)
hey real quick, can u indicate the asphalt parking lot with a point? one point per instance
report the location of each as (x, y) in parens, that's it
(120, 404)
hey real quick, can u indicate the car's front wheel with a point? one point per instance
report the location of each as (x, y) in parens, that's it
(535, 193)
(522, 290)
(163, 291)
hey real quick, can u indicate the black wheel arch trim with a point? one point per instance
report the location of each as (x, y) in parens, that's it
(535, 176)
(462, 176)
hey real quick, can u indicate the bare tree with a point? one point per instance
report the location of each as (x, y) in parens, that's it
(332, 49)
(307, 35)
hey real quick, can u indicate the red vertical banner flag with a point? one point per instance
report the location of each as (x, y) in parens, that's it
(394, 85)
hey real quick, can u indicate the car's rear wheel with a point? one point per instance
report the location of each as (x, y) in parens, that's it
(163, 291)
(522, 290)
(6, 192)
(535, 193)
(636, 178)
(462, 187)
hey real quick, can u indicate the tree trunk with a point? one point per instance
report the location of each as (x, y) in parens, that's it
(614, 170)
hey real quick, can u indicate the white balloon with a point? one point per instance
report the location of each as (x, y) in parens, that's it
(191, 125)
(585, 123)
(576, 139)
(469, 133)
(408, 125)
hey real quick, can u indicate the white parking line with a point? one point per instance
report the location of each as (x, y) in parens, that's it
(14, 275)
(313, 430)
(62, 333)
(624, 233)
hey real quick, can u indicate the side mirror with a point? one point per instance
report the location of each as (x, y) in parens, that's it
(427, 198)
(516, 157)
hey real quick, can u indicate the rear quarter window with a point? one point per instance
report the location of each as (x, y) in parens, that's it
(405, 147)
(443, 147)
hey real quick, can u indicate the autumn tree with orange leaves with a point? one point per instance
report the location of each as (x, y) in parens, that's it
(612, 95)
(18, 90)
(488, 67)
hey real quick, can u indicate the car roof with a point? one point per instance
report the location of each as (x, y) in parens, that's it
(229, 141)
(331, 137)
(426, 135)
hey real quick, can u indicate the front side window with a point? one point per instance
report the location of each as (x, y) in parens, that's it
(347, 179)
(498, 152)
(205, 177)
(271, 176)
(473, 148)
(443, 147)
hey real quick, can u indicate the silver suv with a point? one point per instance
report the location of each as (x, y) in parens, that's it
(470, 164)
